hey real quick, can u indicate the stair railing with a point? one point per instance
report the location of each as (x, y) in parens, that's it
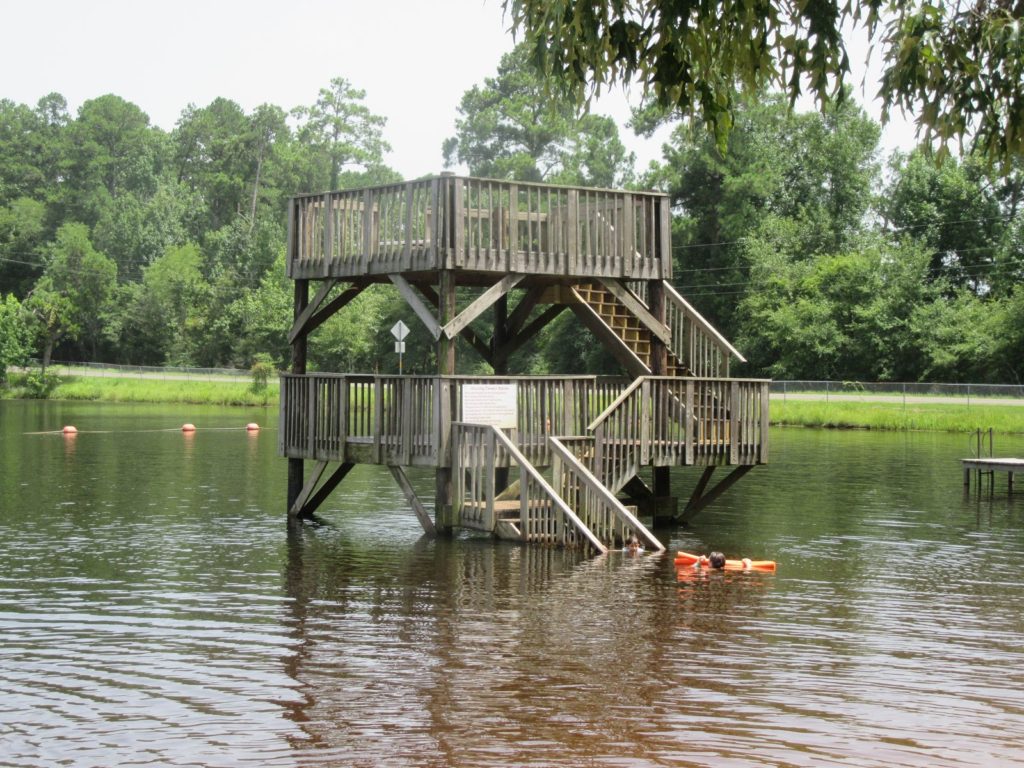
(597, 507)
(695, 342)
(621, 434)
(544, 515)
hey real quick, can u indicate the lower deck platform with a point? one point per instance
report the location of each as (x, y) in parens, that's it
(407, 420)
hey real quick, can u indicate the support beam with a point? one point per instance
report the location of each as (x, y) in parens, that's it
(625, 296)
(659, 346)
(444, 512)
(299, 348)
(478, 306)
(700, 500)
(500, 366)
(417, 305)
(305, 326)
(303, 318)
(307, 488)
(468, 335)
(309, 502)
(502, 354)
(414, 501)
(519, 315)
(500, 336)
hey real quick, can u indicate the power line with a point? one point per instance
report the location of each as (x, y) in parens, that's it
(889, 230)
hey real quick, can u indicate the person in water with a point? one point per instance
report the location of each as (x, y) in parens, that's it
(717, 560)
(634, 545)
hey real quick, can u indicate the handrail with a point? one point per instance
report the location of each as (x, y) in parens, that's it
(696, 317)
(492, 225)
(607, 412)
(668, 420)
(525, 467)
(663, 420)
(604, 496)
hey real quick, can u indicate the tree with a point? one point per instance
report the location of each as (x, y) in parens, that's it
(14, 335)
(953, 210)
(267, 128)
(22, 224)
(511, 129)
(135, 231)
(71, 296)
(958, 66)
(810, 174)
(112, 151)
(340, 134)
(211, 158)
(850, 315)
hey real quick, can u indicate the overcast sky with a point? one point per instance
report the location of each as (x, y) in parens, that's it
(414, 59)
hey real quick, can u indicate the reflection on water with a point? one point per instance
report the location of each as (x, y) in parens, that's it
(155, 608)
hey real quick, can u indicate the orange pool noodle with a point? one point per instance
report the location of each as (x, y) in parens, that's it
(685, 559)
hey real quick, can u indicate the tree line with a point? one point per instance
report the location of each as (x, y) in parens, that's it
(121, 242)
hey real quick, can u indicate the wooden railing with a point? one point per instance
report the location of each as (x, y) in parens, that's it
(404, 420)
(453, 222)
(542, 514)
(399, 419)
(373, 419)
(672, 421)
(596, 505)
(695, 342)
(377, 230)
(697, 345)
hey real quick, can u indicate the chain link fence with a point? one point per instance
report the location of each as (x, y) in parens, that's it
(891, 389)
(167, 373)
(826, 388)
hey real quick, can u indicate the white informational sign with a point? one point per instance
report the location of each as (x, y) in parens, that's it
(490, 404)
(399, 347)
(400, 330)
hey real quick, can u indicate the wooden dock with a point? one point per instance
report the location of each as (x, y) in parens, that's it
(991, 466)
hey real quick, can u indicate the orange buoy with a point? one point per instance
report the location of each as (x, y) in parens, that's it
(70, 430)
(252, 426)
(188, 427)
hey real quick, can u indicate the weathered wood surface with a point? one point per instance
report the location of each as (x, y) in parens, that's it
(1010, 466)
(480, 225)
(406, 420)
(543, 515)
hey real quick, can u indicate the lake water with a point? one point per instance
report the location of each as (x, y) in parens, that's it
(156, 610)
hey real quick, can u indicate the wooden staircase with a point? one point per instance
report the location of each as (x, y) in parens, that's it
(624, 330)
(572, 508)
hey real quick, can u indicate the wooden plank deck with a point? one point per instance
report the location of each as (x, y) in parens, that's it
(1010, 466)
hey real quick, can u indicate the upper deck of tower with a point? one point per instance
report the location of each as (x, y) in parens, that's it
(480, 227)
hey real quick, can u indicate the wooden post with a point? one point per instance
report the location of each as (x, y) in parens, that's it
(659, 350)
(498, 341)
(444, 513)
(295, 481)
(500, 336)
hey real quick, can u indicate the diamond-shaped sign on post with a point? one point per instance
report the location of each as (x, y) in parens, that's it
(400, 330)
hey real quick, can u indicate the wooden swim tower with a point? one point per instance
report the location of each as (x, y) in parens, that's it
(532, 458)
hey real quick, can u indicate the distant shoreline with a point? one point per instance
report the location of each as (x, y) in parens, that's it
(861, 411)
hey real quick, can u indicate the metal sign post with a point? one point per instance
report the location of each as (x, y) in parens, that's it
(400, 330)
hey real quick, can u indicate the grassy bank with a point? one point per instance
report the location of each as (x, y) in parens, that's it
(841, 414)
(144, 390)
(937, 417)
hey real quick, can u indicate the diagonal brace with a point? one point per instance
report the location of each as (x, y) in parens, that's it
(699, 500)
(481, 304)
